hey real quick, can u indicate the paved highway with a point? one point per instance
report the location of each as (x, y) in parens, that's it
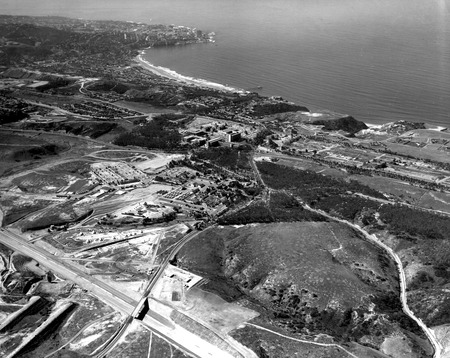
(177, 336)
(198, 347)
(111, 296)
(116, 299)
(140, 305)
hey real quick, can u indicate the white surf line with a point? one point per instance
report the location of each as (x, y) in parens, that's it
(173, 75)
(302, 340)
(402, 277)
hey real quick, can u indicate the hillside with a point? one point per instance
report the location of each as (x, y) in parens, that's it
(307, 279)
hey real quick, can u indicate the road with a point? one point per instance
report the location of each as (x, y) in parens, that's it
(257, 173)
(172, 255)
(108, 294)
(204, 349)
(403, 298)
(384, 201)
(63, 135)
(118, 300)
(330, 345)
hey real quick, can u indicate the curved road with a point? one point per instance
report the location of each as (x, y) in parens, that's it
(402, 277)
(403, 298)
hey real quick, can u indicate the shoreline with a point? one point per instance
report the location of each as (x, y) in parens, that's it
(197, 82)
(175, 76)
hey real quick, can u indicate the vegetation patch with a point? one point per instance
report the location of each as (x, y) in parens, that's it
(280, 207)
(61, 214)
(270, 345)
(346, 206)
(413, 222)
(231, 158)
(309, 185)
(305, 277)
(40, 182)
(19, 212)
(158, 134)
(93, 129)
(347, 124)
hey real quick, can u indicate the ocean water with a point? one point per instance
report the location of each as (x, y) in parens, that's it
(378, 60)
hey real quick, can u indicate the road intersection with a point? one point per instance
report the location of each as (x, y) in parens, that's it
(177, 336)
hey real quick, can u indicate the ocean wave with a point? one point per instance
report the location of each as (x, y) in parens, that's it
(167, 72)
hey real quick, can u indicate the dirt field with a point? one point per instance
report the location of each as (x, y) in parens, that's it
(215, 311)
(135, 344)
(417, 152)
(275, 346)
(406, 192)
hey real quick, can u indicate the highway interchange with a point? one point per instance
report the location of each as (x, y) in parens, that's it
(120, 301)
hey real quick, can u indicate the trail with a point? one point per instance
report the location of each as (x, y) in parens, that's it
(302, 340)
(403, 298)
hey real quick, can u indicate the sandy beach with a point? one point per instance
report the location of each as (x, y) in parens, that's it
(172, 75)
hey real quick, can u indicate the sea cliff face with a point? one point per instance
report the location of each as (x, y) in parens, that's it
(347, 124)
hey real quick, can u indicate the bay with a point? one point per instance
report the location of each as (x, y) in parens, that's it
(378, 60)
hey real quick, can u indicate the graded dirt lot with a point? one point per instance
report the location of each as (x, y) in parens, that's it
(215, 311)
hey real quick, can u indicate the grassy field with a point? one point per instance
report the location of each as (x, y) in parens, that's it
(312, 259)
(8, 139)
(15, 207)
(135, 344)
(417, 152)
(143, 107)
(15, 149)
(406, 192)
(305, 164)
(170, 238)
(270, 345)
(302, 276)
(76, 167)
(59, 214)
(40, 182)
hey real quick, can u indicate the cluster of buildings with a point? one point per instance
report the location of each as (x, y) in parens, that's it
(213, 134)
(117, 173)
(203, 194)
(198, 198)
